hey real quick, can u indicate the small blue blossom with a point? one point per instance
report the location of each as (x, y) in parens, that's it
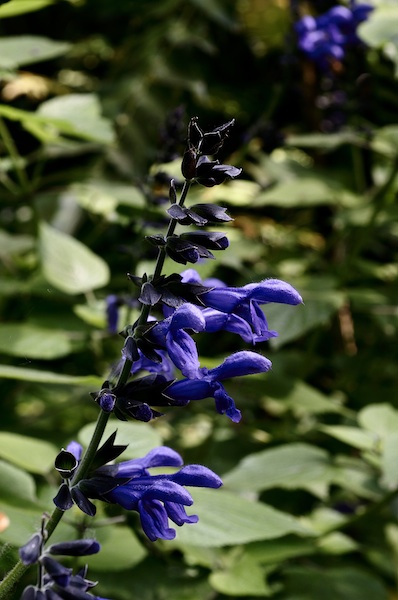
(170, 333)
(243, 305)
(207, 383)
(324, 39)
(158, 498)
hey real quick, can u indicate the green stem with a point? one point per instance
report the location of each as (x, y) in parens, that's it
(12, 578)
(15, 157)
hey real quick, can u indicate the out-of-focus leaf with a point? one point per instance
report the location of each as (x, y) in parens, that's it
(80, 115)
(337, 543)
(357, 476)
(389, 461)
(342, 583)
(24, 521)
(293, 321)
(34, 455)
(306, 191)
(69, 265)
(120, 549)
(140, 437)
(21, 50)
(14, 244)
(244, 578)
(226, 519)
(382, 419)
(17, 487)
(291, 466)
(34, 375)
(327, 141)
(353, 436)
(25, 340)
(280, 549)
(20, 7)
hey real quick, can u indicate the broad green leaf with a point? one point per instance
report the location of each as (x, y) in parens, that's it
(20, 7)
(120, 549)
(34, 455)
(101, 197)
(292, 466)
(69, 265)
(291, 322)
(381, 419)
(24, 521)
(244, 578)
(353, 436)
(140, 437)
(306, 191)
(341, 583)
(380, 31)
(17, 487)
(80, 115)
(300, 397)
(389, 461)
(226, 519)
(25, 340)
(36, 376)
(279, 550)
(21, 50)
(337, 543)
(356, 475)
(14, 244)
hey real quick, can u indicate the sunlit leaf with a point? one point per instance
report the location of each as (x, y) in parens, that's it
(69, 265)
(31, 454)
(25, 340)
(226, 518)
(21, 50)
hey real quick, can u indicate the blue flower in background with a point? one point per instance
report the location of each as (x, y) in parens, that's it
(208, 382)
(324, 39)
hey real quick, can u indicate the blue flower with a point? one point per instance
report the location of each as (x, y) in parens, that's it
(324, 39)
(243, 305)
(58, 581)
(171, 335)
(157, 498)
(207, 383)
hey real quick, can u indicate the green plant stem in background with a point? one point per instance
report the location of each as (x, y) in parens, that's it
(16, 159)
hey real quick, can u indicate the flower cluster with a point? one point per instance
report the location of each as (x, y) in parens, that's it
(154, 350)
(157, 498)
(324, 39)
(57, 582)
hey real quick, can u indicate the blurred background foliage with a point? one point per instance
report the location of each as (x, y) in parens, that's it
(95, 97)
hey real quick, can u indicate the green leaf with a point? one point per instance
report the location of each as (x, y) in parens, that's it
(68, 264)
(79, 115)
(24, 521)
(326, 141)
(244, 578)
(20, 7)
(17, 487)
(389, 461)
(120, 549)
(281, 549)
(22, 50)
(226, 519)
(140, 437)
(25, 340)
(321, 301)
(291, 466)
(36, 456)
(36, 376)
(342, 583)
(381, 419)
(306, 191)
(353, 436)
